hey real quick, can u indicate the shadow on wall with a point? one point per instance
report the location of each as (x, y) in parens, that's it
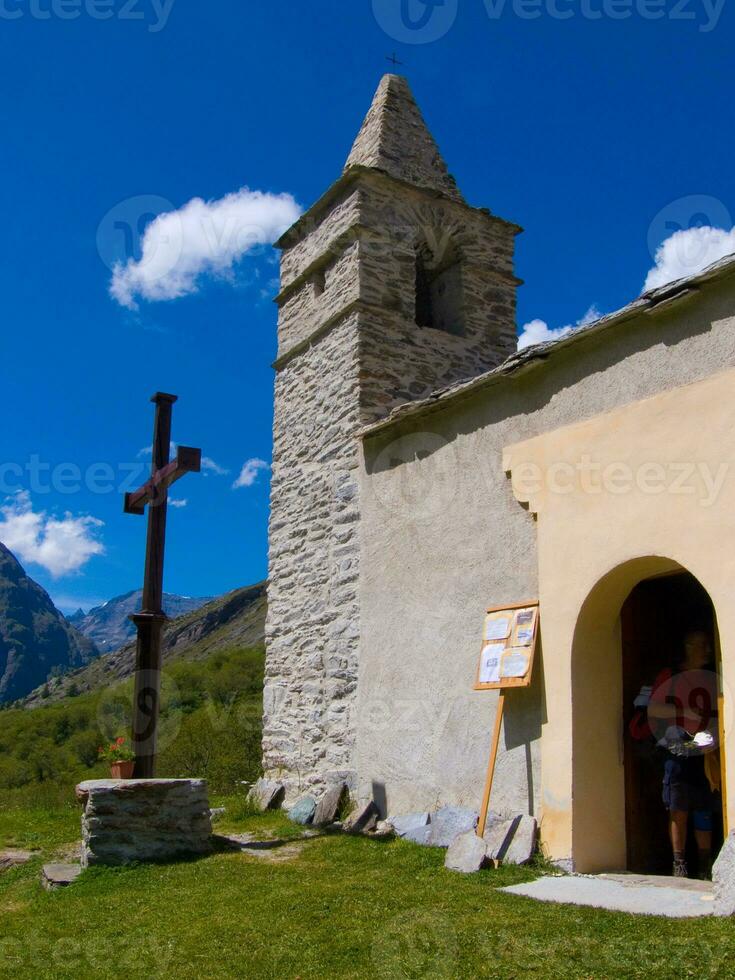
(523, 716)
(380, 799)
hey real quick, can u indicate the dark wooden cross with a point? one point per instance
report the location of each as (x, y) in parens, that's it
(393, 60)
(149, 621)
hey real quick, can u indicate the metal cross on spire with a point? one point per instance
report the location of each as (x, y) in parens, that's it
(149, 621)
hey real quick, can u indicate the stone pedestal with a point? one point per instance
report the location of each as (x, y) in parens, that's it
(128, 820)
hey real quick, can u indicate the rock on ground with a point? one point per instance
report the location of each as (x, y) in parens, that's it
(723, 877)
(327, 808)
(59, 875)
(512, 840)
(362, 819)
(523, 845)
(303, 810)
(449, 822)
(13, 857)
(466, 853)
(498, 835)
(267, 794)
(409, 821)
(418, 835)
(143, 820)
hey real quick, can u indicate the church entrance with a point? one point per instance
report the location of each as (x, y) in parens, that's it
(654, 621)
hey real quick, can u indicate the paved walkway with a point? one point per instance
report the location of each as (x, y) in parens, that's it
(640, 894)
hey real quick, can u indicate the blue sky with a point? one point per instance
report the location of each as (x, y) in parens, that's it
(600, 126)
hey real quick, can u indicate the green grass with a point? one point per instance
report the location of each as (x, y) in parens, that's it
(341, 907)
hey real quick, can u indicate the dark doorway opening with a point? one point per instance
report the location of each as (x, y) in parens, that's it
(654, 619)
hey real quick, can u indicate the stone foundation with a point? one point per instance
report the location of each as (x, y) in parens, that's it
(127, 820)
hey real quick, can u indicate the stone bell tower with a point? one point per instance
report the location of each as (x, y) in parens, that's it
(391, 286)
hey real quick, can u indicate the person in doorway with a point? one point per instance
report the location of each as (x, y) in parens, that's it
(682, 713)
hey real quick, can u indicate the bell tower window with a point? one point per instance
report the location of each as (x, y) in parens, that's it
(439, 289)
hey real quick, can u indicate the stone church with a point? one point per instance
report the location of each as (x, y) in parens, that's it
(424, 471)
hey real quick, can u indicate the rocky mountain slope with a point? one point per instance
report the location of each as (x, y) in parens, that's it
(108, 625)
(35, 639)
(236, 619)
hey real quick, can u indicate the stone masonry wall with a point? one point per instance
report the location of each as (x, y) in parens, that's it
(318, 236)
(303, 311)
(126, 820)
(313, 613)
(348, 353)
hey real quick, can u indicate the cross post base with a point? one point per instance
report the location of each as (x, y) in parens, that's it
(146, 700)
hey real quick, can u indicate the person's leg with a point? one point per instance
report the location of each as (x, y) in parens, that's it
(678, 829)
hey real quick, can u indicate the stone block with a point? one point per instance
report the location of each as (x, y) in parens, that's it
(267, 794)
(409, 821)
(13, 857)
(498, 835)
(59, 875)
(466, 853)
(327, 809)
(418, 835)
(128, 820)
(303, 810)
(449, 822)
(522, 847)
(362, 819)
(723, 878)
(511, 840)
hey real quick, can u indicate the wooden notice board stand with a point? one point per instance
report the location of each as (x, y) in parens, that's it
(509, 638)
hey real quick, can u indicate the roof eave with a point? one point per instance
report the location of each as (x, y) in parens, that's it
(650, 302)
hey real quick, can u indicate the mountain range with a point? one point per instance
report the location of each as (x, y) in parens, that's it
(45, 656)
(108, 626)
(36, 641)
(234, 620)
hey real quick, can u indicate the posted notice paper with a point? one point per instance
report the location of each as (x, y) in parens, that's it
(490, 663)
(515, 663)
(497, 629)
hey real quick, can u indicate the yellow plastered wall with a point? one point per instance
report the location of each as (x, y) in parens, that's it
(643, 490)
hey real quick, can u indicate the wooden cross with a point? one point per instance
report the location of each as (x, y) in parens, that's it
(149, 621)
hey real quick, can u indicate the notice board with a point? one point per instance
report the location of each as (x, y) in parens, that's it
(509, 638)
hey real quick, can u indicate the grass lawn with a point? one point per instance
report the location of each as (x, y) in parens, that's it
(331, 906)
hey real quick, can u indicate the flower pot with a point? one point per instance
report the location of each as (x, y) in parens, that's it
(122, 770)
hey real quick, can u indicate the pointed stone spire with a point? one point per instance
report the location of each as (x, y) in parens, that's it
(395, 139)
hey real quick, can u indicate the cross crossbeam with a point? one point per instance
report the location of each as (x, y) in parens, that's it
(187, 460)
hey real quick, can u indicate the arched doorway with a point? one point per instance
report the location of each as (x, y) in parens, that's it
(630, 627)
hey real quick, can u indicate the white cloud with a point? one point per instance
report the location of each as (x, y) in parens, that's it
(201, 238)
(687, 252)
(59, 545)
(539, 332)
(178, 502)
(209, 466)
(249, 472)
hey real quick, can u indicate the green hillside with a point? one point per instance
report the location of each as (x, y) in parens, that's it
(210, 715)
